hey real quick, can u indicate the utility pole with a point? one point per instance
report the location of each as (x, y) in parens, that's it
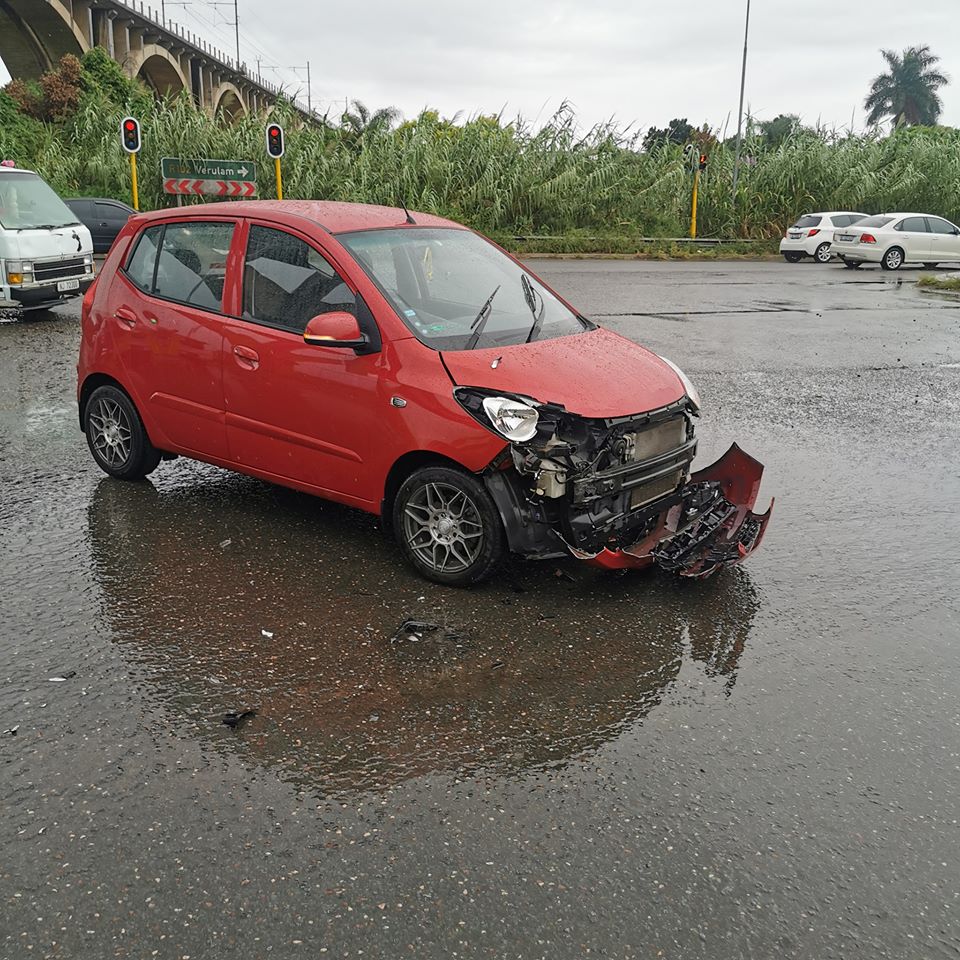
(236, 27)
(743, 81)
(309, 94)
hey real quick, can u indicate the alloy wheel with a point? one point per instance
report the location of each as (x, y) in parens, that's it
(442, 526)
(111, 432)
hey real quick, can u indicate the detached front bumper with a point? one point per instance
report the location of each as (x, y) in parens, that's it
(712, 526)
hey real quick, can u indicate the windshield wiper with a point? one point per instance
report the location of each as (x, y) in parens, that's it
(480, 321)
(530, 295)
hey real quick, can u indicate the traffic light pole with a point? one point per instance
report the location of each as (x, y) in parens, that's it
(133, 181)
(279, 176)
(693, 206)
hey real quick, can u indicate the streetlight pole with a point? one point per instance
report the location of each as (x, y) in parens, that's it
(743, 82)
(236, 27)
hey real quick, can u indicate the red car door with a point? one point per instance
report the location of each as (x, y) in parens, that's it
(166, 310)
(293, 410)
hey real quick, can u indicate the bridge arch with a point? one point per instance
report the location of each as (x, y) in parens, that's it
(160, 71)
(34, 36)
(229, 103)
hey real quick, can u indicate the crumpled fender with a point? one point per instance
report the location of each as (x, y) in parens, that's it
(723, 532)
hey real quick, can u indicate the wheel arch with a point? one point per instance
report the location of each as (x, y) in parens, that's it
(93, 381)
(403, 467)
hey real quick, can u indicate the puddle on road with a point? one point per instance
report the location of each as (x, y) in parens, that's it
(233, 595)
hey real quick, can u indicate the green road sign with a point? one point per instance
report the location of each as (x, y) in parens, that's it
(221, 178)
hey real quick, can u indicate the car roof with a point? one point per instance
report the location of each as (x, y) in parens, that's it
(834, 213)
(333, 216)
(16, 170)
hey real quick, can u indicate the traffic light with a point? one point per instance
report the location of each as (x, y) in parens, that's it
(703, 161)
(274, 140)
(130, 135)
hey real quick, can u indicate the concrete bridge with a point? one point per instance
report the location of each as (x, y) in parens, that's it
(35, 34)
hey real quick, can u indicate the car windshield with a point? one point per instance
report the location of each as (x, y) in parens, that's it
(874, 221)
(439, 281)
(27, 203)
(808, 221)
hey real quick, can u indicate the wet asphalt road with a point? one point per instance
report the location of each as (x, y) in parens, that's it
(577, 764)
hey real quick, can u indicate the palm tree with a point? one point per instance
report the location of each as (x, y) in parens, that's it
(360, 120)
(908, 90)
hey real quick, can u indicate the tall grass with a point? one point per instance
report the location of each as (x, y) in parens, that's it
(509, 179)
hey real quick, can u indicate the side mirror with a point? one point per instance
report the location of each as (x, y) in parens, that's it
(335, 329)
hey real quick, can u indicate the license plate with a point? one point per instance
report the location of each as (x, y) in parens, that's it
(794, 236)
(64, 285)
(846, 237)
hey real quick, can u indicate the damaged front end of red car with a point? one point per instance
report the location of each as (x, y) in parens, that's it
(619, 493)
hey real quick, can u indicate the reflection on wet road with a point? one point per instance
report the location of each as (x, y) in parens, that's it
(569, 762)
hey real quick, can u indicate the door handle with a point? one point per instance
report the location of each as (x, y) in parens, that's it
(126, 315)
(246, 357)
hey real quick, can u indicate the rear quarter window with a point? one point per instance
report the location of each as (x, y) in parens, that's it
(142, 264)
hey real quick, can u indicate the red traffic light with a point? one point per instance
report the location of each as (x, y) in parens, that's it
(275, 141)
(703, 161)
(130, 135)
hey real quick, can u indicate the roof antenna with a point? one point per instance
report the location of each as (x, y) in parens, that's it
(407, 212)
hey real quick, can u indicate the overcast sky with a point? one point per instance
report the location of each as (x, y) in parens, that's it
(642, 62)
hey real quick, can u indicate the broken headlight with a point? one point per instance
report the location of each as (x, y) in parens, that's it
(693, 395)
(514, 418)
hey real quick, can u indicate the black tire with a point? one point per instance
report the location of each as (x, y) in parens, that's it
(852, 264)
(437, 515)
(116, 437)
(892, 259)
(822, 253)
(930, 266)
(792, 256)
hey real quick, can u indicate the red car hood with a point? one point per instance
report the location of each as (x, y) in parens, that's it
(595, 374)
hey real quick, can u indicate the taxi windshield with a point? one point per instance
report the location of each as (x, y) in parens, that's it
(27, 203)
(440, 279)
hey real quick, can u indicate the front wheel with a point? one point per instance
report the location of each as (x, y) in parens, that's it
(792, 256)
(822, 253)
(116, 436)
(448, 526)
(892, 259)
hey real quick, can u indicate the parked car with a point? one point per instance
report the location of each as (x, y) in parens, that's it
(409, 367)
(104, 218)
(46, 254)
(812, 234)
(893, 239)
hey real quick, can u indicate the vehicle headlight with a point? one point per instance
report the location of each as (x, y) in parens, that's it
(693, 394)
(514, 418)
(19, 271)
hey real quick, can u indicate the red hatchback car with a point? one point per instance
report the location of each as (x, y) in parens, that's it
(407, 366)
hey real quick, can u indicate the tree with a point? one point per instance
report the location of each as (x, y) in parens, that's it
(907, 92)
(677, 131)
(360, 120)
(775, 131)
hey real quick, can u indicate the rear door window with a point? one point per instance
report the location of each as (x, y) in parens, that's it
(286, 282)
(912, 225)
(193, 263)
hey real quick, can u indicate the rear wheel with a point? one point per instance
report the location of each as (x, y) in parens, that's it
(822, 253)
(892, 259)
(792, 256)
(116, 436)
(448, 526)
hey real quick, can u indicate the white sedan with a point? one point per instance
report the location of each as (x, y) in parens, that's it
(811, 235)
(893, 239)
